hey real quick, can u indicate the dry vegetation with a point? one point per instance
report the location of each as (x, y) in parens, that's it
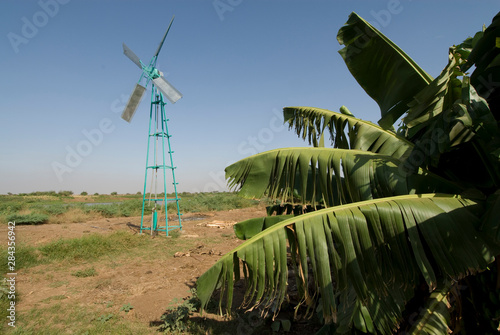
(87, 271)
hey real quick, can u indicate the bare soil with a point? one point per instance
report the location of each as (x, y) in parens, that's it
(149, 285)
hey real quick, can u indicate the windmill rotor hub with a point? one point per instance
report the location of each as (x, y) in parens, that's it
(154, 73)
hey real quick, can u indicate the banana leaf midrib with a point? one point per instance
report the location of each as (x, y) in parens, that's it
(309, 149)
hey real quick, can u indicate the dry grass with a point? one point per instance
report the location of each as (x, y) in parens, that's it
(40, 197)
(75, 215)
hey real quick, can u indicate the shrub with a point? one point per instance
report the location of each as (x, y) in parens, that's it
(32, 218)
(219, 201)
(176, 318)
(9, 207)
(84, 193)
(55, 209)
(108, 211)
(131, 207)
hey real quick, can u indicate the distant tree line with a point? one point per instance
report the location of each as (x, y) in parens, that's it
(50, 193)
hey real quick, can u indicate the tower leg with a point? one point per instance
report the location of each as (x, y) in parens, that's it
(162, 163)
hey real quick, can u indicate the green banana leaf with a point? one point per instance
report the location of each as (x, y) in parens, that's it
(491, 218)
(346, 131)
(370, 253)
(435, 316)
(385, 72)
(446, 115)
(328, 177)
(247, 229)
(486, 57)
(452, 106)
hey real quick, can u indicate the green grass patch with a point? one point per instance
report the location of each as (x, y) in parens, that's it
(26, 256)
(90, 247)
(54, 298)
(4, 300)
(217, 201)
(43, 207)
(89, 272)
(84, 249)
(51, 209)
(69, 318)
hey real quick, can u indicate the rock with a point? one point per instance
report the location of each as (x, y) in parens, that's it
(179, 254)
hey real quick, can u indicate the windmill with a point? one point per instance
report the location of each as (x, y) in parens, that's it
(158, 134)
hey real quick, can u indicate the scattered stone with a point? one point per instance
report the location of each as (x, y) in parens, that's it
(182, 254)
(220, 224)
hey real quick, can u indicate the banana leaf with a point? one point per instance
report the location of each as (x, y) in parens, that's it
(328, 177)
(445, 116)
(486, 57)
(383, 70)
(346, 131)
(435, 316)
(368, 254)
(247, 229)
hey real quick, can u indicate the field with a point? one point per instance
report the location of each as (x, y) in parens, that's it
(85, 269)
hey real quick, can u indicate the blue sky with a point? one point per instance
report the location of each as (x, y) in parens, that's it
(65, 80)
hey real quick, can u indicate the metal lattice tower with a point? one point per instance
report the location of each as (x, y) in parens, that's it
(159, 164)
(156, 161)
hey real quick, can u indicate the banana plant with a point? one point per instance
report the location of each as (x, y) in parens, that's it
(392, 212)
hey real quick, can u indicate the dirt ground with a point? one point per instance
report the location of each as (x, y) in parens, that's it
(149, 285)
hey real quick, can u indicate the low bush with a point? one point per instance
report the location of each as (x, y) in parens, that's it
(10, 207)
(176, 318)
(31, 218)
(217, 201)
(49, 209)
(55, 209)
(108, 211)
(131, 207)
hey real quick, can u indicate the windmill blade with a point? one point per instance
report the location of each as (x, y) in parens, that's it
(132, 56)
(133, 102)
(163, 39)
(170, 92)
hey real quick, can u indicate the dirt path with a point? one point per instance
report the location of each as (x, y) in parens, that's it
(149, 285)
